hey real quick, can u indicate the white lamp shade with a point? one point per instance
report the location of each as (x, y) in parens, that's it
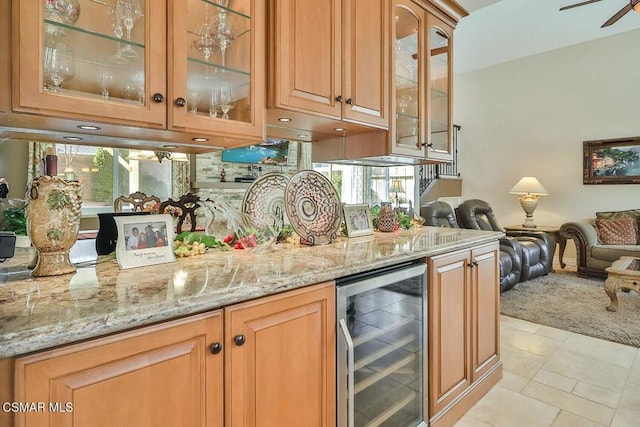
(529, 185)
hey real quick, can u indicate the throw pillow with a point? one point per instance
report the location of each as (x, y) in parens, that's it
(620, 231)
(630, 213)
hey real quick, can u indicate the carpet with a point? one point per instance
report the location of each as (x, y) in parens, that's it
(565, 301)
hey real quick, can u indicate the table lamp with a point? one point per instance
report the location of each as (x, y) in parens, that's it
(529, 189)
(396, 187)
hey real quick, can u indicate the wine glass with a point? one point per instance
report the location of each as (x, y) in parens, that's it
(225, 100)
(204, 42)
(214, 103)
(222, 32)
(59, 65)
(128, 89)
(127, 11)
(138, 81)
(105, 80)
(193, 98)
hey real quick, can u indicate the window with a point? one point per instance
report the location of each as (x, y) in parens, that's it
(111, 172)
(372, 185)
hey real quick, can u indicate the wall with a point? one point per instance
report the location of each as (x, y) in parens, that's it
(529, 117)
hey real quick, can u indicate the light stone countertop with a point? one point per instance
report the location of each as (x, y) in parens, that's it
(39, 313)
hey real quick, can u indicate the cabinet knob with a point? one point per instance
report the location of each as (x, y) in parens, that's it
(339, 98)
(239, 340)
(470, 265)
(215, 348)
(181, 102)
(425, 144)
(349, 101)
(157, 97)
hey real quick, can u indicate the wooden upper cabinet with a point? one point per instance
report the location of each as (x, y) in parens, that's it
(162, 375)
(192, 66)
(280, 360)
(75, 66)
(329, 58)
(216, 66)
(366, 62)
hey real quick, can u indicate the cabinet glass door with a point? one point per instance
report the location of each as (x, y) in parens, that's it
(408, 84)
(93, 58)
(439, 93)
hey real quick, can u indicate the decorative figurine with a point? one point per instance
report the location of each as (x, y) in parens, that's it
(222, 175)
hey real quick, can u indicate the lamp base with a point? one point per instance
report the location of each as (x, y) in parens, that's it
(529, 204)
(528, 223)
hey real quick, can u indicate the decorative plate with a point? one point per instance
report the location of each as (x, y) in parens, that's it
(266, 196)
(313, 207)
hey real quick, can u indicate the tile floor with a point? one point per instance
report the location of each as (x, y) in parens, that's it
(558, 378)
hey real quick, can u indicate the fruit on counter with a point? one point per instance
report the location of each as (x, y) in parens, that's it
(182, 249)
(189, 243)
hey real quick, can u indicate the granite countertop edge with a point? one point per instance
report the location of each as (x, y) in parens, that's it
(22, 333)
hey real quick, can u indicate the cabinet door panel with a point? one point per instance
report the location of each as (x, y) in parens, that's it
(306, 62)
(486, 309)
(284, 374)
(365, 61)
(79, 68)
(449, 334)
(161, 375)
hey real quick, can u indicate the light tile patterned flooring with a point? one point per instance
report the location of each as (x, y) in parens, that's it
(558, 378)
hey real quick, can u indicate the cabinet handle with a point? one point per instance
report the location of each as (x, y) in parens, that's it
(470, 265)
(635, 283)
(157, 97)
(215, 348)
(430, 144)
(181, 102)
(339, 98)
(349, 101)
(239, 340)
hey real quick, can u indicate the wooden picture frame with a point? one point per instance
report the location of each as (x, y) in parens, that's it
(153, 242)
(357, 219)
(613, 161)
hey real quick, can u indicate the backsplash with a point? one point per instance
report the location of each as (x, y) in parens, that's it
(208, 169)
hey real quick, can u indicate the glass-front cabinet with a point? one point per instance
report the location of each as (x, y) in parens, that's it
(408, 88)
(439, 107)
(187, 65)
(217, 67)
(421, 86)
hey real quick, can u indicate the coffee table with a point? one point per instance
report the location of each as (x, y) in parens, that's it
(623, 274)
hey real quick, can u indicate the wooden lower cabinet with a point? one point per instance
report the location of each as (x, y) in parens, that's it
(161, 375)
(281, 373)
(464, 356)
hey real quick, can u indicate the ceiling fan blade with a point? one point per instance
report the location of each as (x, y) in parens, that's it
(619, 14)
(571, 6)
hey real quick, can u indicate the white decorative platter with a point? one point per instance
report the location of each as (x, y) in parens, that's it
(265, 197)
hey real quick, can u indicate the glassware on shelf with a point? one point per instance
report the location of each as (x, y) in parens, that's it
(127, 12)
(61, 11)
(226, 98)
(59, 65)
(222, 32)
(128, 89)
(105, 80)
(138, 81)
(403, 103)
(214, 103)
(193, 98)
(204, 42)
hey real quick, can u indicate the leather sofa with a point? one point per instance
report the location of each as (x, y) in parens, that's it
(440, 214)
(536, 247)
(592, 256)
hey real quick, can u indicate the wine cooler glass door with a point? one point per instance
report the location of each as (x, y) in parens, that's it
(382, 348)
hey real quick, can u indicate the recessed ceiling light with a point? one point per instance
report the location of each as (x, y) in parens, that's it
(284, 119)
(198, 140)
(339, 129)
(170, 146)
(302, 135)
(72, 138)
(88, 127)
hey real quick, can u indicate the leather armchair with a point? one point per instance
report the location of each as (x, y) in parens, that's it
(536, 246)
(440, 214)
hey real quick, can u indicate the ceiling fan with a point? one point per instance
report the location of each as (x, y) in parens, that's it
(631, 5)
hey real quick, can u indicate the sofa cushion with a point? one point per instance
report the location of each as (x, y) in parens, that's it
(619, 231)
(630, 213)
(611, 253)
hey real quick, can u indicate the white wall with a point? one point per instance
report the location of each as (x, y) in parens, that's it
(529, 117)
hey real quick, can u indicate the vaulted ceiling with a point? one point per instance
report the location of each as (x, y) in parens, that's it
(497, 31)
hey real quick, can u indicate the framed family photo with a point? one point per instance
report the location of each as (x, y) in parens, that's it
(144, 240)
(357, 219)
(614, 161)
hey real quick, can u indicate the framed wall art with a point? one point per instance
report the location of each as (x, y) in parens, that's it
(358, 220)
(614, 161)
(144, 240)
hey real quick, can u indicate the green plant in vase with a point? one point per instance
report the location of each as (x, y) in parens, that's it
(14, 218)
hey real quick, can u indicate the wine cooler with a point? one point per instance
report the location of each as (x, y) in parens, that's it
(382, 347)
